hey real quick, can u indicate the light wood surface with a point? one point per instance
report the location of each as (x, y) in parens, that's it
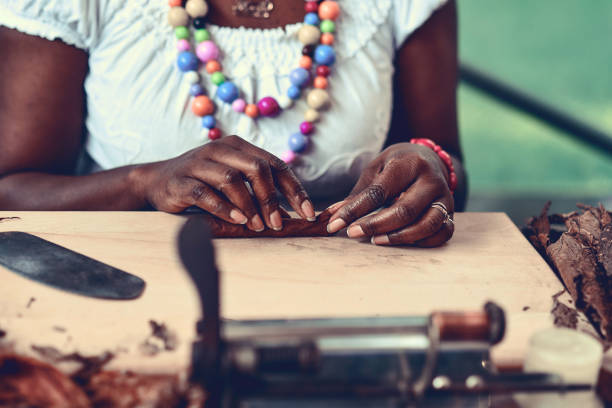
(487, 259)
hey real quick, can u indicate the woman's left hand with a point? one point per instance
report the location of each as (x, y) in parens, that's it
(409, 180)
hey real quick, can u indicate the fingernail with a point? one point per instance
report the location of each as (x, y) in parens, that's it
(336, 225)
(257, 223)
(334, 207)
(381, 240)
(355, 231)
(276, 221)
(309, 210)
(238, 216)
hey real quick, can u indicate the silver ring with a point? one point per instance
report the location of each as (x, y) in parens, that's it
(440, 206)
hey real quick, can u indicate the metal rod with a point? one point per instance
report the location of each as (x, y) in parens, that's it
(535, 107)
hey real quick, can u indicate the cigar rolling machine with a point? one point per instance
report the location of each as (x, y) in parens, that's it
(428, 361)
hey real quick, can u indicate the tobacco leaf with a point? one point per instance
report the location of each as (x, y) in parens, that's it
(118, 390)
(160, 339)
(88, 365)
(581, 257)
(563, 316)
(604, 254)
(26, 382)
(292, 227)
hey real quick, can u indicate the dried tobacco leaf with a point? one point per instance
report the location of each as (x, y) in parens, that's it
(292, 227)
(119, 390)
(30, 383)
(581, 258)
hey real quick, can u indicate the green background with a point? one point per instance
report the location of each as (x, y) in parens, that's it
(559, 51)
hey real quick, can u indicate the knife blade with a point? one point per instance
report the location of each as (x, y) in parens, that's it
(51, 264)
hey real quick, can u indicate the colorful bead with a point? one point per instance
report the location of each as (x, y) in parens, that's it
(209, 121)
(323, 70)
(312, 115)
(327, 38)
(202, 106)
(227, 92)
(324, 55)
(426, 142)
(181, 32)
(268, 106)
(199, 22)
(196, 8)
(306, 128)
(213, 66)
(329, 10)
(201, 35)
(192, 77)
(317, 99)
(298, 142)
(196, 89)
(312, 19)
(452, 182)
(182, 45)
(309, 34)
(317, 38)
(305, 62)
(311, 7)
(288, 157)
(320, 82)
(217, 78)
(214, 134)
(177, 16)
(186, 61)
(299, 77)
(251, 110)
(238, 105)
(207, 51)
(308, 50)
(445, 158)
(285, 102)
(328, 26)
(294, 92)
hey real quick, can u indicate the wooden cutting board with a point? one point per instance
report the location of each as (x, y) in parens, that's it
(487, 259)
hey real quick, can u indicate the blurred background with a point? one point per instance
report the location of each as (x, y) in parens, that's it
(560, 52)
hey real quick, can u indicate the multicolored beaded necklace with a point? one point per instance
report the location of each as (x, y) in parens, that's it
(316, 36)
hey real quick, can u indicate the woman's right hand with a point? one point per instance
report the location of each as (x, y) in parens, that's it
(213, 178)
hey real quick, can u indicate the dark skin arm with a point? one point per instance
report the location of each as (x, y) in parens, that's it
(41, 121)
(406, 179)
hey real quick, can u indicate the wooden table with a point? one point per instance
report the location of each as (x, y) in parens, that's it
(487, 259)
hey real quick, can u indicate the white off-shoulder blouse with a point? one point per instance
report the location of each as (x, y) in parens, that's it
(138, 106)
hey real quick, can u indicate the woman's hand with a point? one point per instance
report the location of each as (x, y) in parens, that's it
(408, 179)
(213, 177)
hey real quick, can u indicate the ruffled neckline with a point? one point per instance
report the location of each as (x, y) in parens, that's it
(251, 51)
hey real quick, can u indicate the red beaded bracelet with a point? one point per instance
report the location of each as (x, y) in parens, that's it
(445, 157)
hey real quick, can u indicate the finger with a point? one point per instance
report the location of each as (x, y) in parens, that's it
(439, 238)
(335, 207)
(230, 182)
(287, 182)
(409, 206)
(384, 186)
(258, 173)
(194, 192)
(430, 224)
